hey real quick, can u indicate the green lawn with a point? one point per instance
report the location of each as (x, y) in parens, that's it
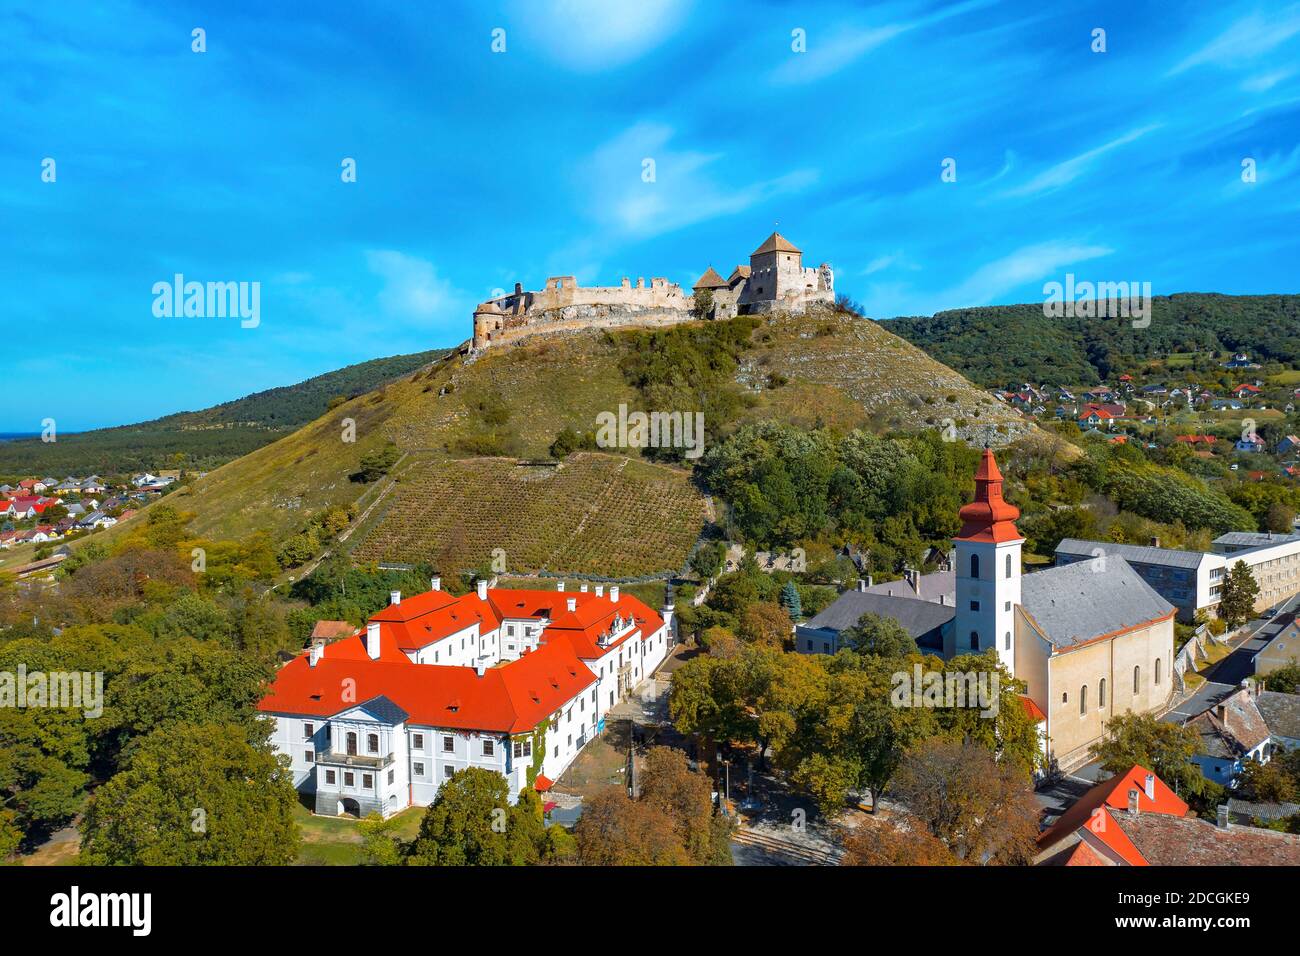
(336, 841)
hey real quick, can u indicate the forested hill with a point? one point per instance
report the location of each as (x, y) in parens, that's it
(996, 345)
(208, 437)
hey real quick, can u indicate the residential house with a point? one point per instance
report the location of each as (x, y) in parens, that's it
(1232, 733)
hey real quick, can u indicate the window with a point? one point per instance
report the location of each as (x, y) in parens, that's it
(1101, 693)
(1007, 606)
(447, 772)
(557, 750)
(488, 749)
(611, 693)
(974, 565)
(418, 769)
(1157, 672)
(523, 748)
(1065, 697)
(368, 781)
(330, 778)
(417, 741)
(974, 605)
(448, 745)
(372, 743)
(352, 743)
(1008, 565)
(1137, 678)
(974, 641)
(308, 731)
(1007, 641)
(310, 756)
(390, 776)
(349, 779)
(1083, 700)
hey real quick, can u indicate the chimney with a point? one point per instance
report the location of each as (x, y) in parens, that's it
(394, 597)
(1150, 786)
(869, 584)
(600, 590)
(613, 593)
(480, 668)
(482, 590)
(943, 600)
(572, 604)
(583, 589)
(316, 653)
(1222, 818)
(1133, 796)
(435, 583)
(862, 585)
(372, 640)
(559, 586)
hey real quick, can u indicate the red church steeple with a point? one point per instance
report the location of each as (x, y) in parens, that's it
(988, 517)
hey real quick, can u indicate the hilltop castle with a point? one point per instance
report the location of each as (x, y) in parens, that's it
(774, 280)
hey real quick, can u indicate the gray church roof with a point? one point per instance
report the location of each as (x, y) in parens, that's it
(1166, 557)
(1076, 603)
(917, 617)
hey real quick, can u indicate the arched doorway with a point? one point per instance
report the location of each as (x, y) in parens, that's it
(349, 808)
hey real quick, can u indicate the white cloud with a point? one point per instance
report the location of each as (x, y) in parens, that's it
(1247, 38)
(1071, 169)
(411, 289)
(597, 34)
(684, 190)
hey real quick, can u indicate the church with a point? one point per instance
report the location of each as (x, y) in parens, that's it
(1090, 640)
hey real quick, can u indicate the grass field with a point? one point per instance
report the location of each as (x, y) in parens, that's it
(594, 514)
(336, 841)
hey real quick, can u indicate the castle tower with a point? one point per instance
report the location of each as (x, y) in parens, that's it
(988, 569)
(775, 273)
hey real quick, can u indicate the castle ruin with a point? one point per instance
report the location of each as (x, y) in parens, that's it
(774, 280)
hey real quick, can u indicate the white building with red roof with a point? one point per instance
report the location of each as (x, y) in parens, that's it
(514, 681)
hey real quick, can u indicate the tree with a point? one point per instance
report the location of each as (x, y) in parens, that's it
(1163, 748)
(981, 809)
(472, 823)
(790, 601)
(1284, 680)
(1240, 590)
(879, 636)
(194, 794)
(685, 796)
(382, 846)
(1267, 782)
(765, 624)
(708, 559)
(616, 830)
(885, 844)
(375, 464)
(702, 307)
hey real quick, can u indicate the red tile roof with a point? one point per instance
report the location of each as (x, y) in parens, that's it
(1108, 798)
(988, 517)
(509, 699)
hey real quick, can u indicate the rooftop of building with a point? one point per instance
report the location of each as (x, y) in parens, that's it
(1073, 604)
(1136, 553)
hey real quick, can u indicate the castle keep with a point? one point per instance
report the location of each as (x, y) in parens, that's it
(774, 280)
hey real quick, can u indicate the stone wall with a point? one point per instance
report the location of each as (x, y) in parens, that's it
(582, 316)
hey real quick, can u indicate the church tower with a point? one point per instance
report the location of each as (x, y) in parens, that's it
(988, 569)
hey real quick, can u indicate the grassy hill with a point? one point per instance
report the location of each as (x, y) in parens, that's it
(207, 438)
(596, 514)
(996, 345)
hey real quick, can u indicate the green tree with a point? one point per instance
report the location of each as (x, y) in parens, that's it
(375, 464)
(1284, 680)
(1240, 589)
(194, 794)
(879, 636)
(1165, 749)
(791, 602)
(472, 823)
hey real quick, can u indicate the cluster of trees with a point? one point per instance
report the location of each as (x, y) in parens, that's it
(471, 822)
(321, 529)
(891, 495)
(833, 724)
(999, 344)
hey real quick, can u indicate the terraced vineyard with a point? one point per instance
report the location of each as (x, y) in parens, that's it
(594, 514)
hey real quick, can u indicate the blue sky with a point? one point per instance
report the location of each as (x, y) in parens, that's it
(477, 169)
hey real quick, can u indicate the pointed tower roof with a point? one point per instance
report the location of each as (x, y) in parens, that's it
(710, 280)
(776, 243)
(988, 517)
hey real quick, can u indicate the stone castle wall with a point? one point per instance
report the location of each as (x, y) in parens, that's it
(572, 318)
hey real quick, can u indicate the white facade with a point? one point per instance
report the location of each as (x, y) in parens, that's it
(988, 591)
